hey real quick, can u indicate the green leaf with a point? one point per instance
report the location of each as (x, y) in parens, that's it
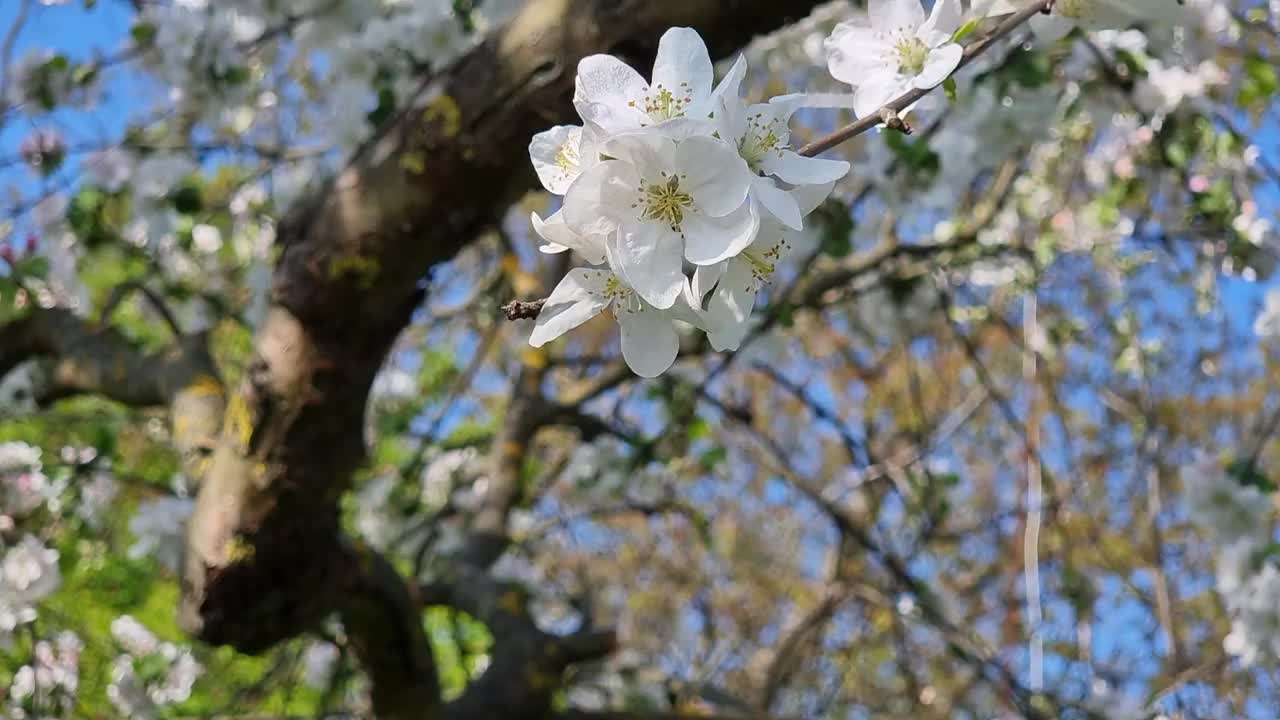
(713, 457)
(84, 74)
(949, 87)
(1248, 474)
(143, 34)
(965, 30)
(36, 266)
(699, 429)
(187, 199)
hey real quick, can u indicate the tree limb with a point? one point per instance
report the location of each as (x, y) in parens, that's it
(264, 555)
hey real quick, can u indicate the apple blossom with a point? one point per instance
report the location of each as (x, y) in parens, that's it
(895, 50)
(658, 205)
(650, 341)
(612, 96)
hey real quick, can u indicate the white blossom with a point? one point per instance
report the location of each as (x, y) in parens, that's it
(133, 636)
(206, 238)
(658, 205)
(1267, 325)
(612, 96)
(738, 279)
(895, 49)
(319, 661)
(762, 135)
(28, 573)
(1067, 15)
(96, 497)
(650, 339)
(159, 528)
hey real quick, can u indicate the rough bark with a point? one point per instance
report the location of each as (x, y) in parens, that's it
(263, 542)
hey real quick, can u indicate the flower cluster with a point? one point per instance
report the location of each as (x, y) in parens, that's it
(1238, 516)
(151, 673)
(678, 193)
(28, 573)
(50, 681)
(24, 487)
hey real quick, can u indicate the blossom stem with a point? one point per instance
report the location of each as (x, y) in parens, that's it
(901, 103)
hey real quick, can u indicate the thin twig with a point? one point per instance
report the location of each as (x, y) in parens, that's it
(122, 291)
(523, 309)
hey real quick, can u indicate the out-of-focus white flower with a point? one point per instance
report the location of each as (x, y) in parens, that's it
(158, 528)
(206, 238)
(1102, 14)
(1268, 323)
(95, 497)
(318, 663)
(28, 573)
(110, 169)
(133, 636)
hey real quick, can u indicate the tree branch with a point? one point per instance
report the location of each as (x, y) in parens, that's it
(86, 358)
(263, 539)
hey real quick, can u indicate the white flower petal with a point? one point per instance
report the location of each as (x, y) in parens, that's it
(555, 157)
(810, 197)
(944, 20)
(730, 307)
(777, 202)
(648, 257)
(730, 86)
(705, 278)
(856, 52)
(1050, 28)
(561, 237)
(889, 16)
(941, 63)
(579, 297)
(648, 151)
(596, 201)
(714, 174)
(709, 240)
(683, 128)
(683, 65)
(649, 341)
(602, 90)
(797, 169)
(874, 94)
